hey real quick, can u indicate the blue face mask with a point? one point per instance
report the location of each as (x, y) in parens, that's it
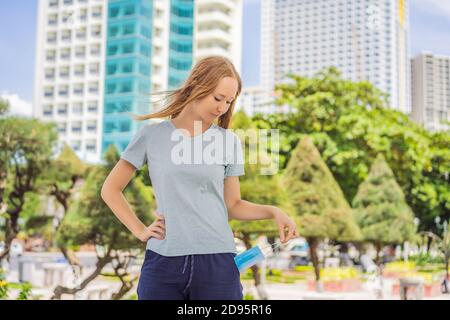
(252, 256)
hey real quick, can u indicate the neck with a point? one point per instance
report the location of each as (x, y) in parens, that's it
(186, 120)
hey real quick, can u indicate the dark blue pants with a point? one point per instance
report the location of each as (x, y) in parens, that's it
(191, 277)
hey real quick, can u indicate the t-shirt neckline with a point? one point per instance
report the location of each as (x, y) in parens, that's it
(191, 137)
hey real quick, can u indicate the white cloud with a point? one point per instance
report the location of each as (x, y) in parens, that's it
(437, 7)
(18, 106)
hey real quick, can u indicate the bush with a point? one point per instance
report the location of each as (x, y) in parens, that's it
(424, 259)
(338, 273)
(304, 268)
(400, 266)
(4, 286)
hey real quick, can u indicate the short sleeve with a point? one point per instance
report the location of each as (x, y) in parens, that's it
(235, 167)
(136, 151)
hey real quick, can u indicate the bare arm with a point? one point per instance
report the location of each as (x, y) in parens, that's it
(245, 210)
(111, 193)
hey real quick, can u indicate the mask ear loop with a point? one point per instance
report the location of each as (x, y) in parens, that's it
(274, 245)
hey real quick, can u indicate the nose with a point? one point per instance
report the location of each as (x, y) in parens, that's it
(222, 108)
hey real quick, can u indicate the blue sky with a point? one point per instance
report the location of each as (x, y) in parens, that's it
(430, 30)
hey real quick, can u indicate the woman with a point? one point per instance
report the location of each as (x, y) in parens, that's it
(190, 247)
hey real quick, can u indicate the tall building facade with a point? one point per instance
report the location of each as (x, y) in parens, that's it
(97, 61)
(365, 39)
(69, 75)
(431, 90)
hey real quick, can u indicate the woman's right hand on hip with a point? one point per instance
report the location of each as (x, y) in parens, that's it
(156, 230)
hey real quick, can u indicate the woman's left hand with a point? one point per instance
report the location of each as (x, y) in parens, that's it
(284, 221)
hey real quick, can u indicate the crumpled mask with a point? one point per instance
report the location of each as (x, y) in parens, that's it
(252, 256)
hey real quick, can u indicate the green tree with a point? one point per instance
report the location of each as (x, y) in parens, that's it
(350, 123)
(26, 147)
(318, 200)
(380, 208)
(63, 177)
(89, 220)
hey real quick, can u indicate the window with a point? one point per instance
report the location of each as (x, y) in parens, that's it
(113, 12)
(128, 10)
(50, 74)
(51, 37)
(53, 3)
(50, 55)
(96, 31)
(65, 54)
(95, 50)
(113, 31)
(76, 127)
(62, 128)
(77, 108)
(53, 20)
(48, 92)
(97, 12)
(92, 106)
(91, 126)
(63, 91)
(127, 67)
(128, 29)
(81, 34)
(90, 146)
(93, 88)
(79, 70)
(64, 72)
(78, 89)
(66, 35)
(80, 52)
(127, 48)
(62, 109)
(94, 68)
(48, 110)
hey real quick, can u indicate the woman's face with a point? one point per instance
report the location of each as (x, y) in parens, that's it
(218, 102)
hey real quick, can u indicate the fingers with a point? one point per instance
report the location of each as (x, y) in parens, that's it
(290, 233)
(281, 230)
(157, 232)
(156, 235)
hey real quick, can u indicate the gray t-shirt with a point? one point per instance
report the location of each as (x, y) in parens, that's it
(187, 175)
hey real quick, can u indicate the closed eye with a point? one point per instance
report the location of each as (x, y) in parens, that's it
(218, 100)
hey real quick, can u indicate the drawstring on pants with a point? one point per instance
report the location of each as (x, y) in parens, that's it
(192, 270)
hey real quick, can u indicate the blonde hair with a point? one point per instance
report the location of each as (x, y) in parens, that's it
(202, 81)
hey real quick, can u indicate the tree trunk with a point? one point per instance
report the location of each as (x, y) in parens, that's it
(255, 271)
(378, 258)
(72, 259)
(12, 229)
(101, 263)
(429, 240)
(313, 243)
(121, 263)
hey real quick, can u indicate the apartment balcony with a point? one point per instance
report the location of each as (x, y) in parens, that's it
(157, 42)
(157, 60)
(157, 79)
(214, 17)
(214, 35)
(159, 23)
(204, 52)
(226, 4)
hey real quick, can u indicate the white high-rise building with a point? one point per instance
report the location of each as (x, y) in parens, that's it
(431, 90)
(98, 60)
(69, 76)
(365, 39)
(218, 29)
